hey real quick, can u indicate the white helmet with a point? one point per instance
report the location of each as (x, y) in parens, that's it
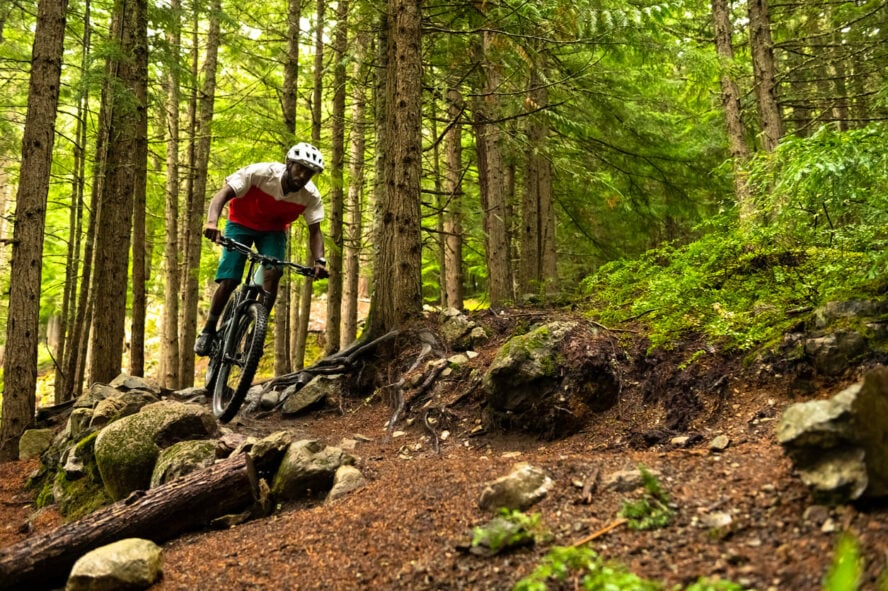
(307, 155)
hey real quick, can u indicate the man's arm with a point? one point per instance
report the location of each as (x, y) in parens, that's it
(217, 204)
(316, 241)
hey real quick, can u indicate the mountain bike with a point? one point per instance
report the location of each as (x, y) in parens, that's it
(237, 346)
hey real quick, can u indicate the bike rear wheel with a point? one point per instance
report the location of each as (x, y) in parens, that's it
(241, 352)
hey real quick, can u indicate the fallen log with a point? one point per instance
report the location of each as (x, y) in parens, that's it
(158, 514)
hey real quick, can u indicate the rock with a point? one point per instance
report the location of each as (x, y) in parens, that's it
(347, 479)
(627, 480)
(97, 392)
(78, 423)
(832, 354)
(126, 450)
(525, 486)
(268, 452)
(183, 458)
(459, 332)
(132, 563)
(34, 442)
(75, 485)
(308, 467)
(268, 400)
(314, 393)
(720, 443)
(120, 405)
(524, 366)
(125, 383)
(838, 445)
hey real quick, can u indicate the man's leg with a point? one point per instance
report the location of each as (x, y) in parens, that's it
(217, 304)
(270, 280)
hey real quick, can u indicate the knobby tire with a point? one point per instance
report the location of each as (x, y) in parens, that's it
(239, 360)
(214, 360)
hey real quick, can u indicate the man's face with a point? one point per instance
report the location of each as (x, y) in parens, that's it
(299, 175)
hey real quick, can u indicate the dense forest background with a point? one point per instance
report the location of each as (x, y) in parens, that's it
(698, 165)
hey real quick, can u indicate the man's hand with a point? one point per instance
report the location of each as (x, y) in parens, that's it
(211, 232)
(320, 271)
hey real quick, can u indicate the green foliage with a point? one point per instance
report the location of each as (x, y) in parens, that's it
(652, 511)
(847, 566)
(510, 529)
(821, 236)
(583, 564)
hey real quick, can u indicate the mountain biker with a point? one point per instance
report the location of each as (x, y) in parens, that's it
(263, 199)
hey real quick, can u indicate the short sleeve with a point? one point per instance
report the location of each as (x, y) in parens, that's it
(314, 209)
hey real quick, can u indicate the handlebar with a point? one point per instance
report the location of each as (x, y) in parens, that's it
(263, 259)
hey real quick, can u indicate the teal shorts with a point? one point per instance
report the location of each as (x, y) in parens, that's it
(231, 265)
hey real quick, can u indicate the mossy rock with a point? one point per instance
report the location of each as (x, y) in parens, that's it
(183, 458)
(127, 450)
(73, 495)
(526, 367)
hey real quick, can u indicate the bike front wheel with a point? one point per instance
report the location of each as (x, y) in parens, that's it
(241, 352)
(214, 360)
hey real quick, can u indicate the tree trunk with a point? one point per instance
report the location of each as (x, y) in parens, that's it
(197, 213)
(398, 266)
(355, 210)
(765, 72)
(283, 318)
(536, 266)
(170, 352)
(334, 255)
(453, 233)
(158, 514)
(64, 380)
(141, 254)
(116, 210)
(20, 360)
(188, 301)
(730, 96)
(492, 182)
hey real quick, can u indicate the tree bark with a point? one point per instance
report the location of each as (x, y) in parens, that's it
(536, 266)
(116, 209)
(20, 360)
(355, 210)
(397, 299)
(337, 197)
(491, 180)
(64, 380)
(765, 71)
(141, 252)
(170, 352)
(453, 238)
(730, 95)
(158, 514)
(197, 211)
(283, 318)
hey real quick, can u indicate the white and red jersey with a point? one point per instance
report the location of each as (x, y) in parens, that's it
(260, 203)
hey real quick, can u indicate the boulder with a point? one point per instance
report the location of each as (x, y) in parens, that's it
(126, 450)
(132, 564)
(34, 442)
(347, 479)
(183, 458)
(121, 404)
(315, 393)
(838, 445)
(308, 467)
(522, 488)
(525, 366)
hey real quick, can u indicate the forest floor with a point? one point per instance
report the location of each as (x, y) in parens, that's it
(740, 514)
